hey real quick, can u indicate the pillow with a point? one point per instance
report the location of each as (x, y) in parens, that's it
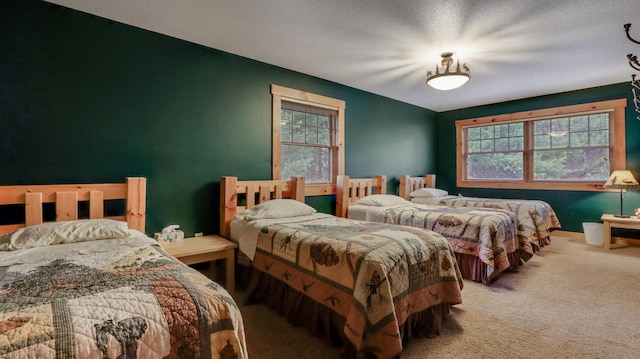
(381, 200)
(277, 208)
(429, 200)
(46, 234)
(429, 192)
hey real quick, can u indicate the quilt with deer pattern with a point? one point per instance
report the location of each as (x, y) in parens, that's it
(536, 219)
(375, 275)
(487, 234)
(111, 298)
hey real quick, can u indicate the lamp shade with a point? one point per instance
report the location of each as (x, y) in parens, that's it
(621, 179)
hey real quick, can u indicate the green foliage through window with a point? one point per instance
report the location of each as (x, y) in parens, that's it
(307, 138)
(495, 151)
(563, 149)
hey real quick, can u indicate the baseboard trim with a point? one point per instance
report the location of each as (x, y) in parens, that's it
(580, 236)
(567, 234)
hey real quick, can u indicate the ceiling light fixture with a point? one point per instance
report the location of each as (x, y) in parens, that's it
(447, 77)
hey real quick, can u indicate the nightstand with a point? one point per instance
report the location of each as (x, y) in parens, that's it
(204, 249)
(611, 221)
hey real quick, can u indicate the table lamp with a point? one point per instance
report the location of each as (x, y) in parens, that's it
(622, 180)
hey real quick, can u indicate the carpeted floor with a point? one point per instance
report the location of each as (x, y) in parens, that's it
(573, 300)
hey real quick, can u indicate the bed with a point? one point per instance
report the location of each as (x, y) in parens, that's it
(484, 240)
(80, 279)
(369, 287)
(536, 219)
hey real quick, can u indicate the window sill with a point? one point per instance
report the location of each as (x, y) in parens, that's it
(549, 186)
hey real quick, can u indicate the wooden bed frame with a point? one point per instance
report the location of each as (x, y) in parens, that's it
(350, 190)
(298, 307)
(67, 196)
(254, 192)
(409, 184)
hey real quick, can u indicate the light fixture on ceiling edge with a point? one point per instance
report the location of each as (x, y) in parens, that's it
(446, 77)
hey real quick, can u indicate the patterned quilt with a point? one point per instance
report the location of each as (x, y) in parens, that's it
(536, 219)
(487, 234)
(375, 275)
(113, 298)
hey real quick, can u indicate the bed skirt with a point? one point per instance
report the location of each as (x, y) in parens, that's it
(472, 268)
(541, 243)
(322, 322)
(545, 241)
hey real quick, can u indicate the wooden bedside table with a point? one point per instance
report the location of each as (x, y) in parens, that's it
(611, 221)
(205, 249)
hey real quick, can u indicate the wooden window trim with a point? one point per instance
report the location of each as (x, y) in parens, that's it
(617, 146)
(279, 94)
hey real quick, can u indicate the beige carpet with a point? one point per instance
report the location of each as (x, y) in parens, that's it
(571, 301)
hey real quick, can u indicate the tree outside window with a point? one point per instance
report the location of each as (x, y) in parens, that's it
(307, 140)
(573, 148)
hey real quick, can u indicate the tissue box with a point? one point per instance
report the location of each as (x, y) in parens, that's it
(170, 237)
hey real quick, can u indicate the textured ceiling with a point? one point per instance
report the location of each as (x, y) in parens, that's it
(514, 48)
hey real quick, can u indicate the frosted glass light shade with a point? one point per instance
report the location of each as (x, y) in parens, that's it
(447, 82)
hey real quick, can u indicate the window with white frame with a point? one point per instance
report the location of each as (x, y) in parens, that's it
(308, 137)
(572, 147)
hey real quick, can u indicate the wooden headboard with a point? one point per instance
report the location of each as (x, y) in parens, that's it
(254, 192)
(67, 196)
(409, 184)
(350, 190)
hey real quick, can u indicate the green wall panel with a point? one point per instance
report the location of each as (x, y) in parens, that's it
(85, 99)
(572, 208)
(394, 139)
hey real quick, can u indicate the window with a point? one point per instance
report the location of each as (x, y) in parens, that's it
(307, 142)
(491, 145)
(308, 138)
(566, 148)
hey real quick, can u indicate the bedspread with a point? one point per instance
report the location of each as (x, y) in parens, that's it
(536, 219)
(487, 234)
(113, 299)
(375, 275)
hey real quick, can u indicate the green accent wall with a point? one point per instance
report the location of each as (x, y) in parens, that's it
(572, 207)
(87, 100)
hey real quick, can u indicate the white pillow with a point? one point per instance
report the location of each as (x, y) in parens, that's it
(381, 200)
(429, 192)
(277, 208)
(46, 234)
